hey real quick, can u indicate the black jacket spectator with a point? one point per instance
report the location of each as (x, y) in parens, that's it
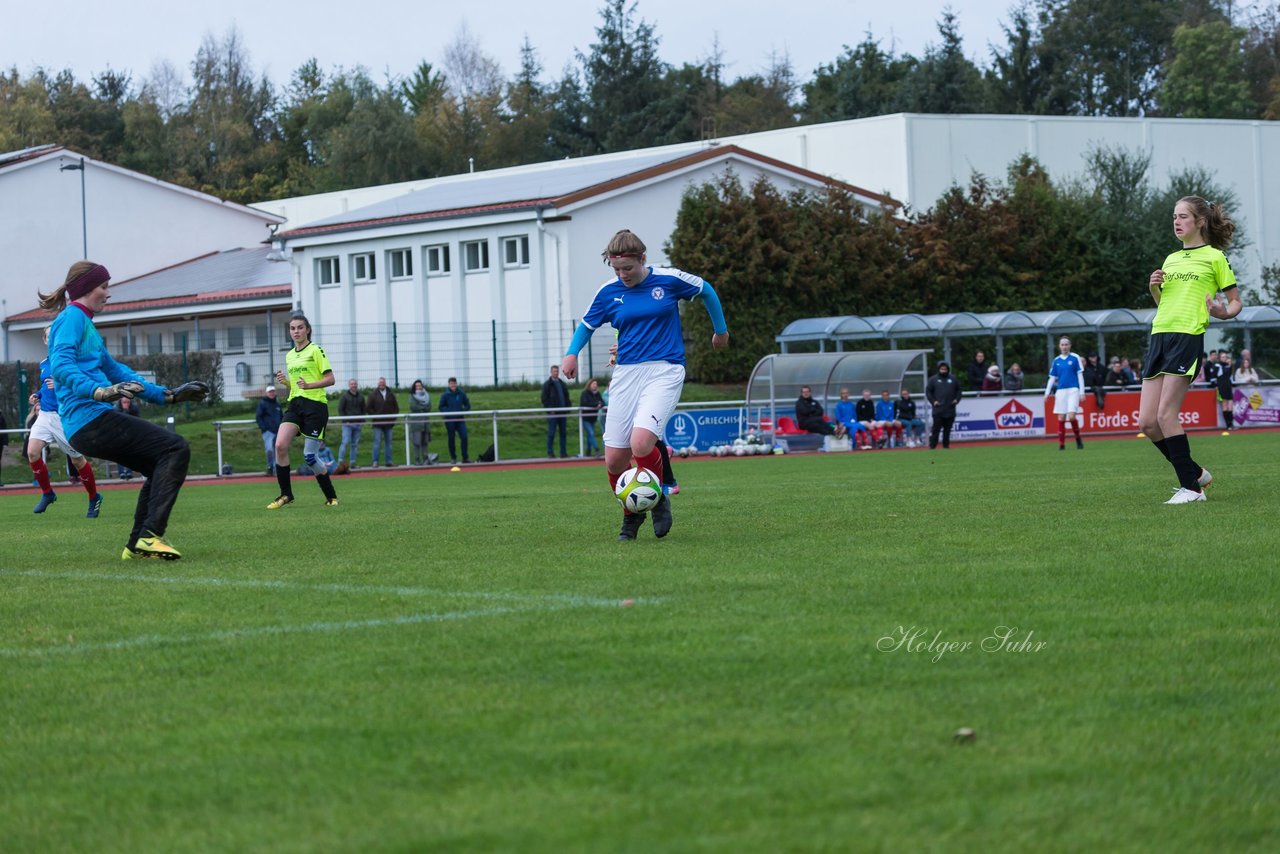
(809, 416)
(943, 393)
(269, 415)
(977, 371)
(865, 410)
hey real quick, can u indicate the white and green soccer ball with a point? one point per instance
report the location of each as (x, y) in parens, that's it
(638, 490)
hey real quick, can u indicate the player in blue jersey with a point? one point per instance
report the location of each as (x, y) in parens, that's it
(1067, 373)
(89, 381)
(47, 430)
(643, 304)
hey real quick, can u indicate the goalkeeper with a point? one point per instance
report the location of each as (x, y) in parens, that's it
(89, 382)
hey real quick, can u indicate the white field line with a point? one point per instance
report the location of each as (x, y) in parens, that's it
(523, 603)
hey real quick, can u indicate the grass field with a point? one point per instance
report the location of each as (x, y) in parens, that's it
(446, 662)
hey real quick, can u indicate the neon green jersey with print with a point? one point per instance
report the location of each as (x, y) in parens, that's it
(309, 364)
(1190, 275)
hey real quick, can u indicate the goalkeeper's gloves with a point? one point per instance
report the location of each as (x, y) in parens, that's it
(192, 391)
(112, 393)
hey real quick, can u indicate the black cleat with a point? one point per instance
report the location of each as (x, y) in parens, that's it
(631, 523)
(662, 517)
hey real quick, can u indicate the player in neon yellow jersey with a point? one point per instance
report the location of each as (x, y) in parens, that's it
(1185, 289)
(307, 374)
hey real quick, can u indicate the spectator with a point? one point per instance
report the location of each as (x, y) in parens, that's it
(1245, 356)
(454, 399)
(1226, 396)
(888, 421)
(977, 371)
(1135, 368)
(846, 416)
(1067, 374)
(904, 411)
(420, 428)
(865, 409)
(591, 402)
(809, 414)
(1130, 378)
(1245, 374)
(943, 393)
(129, 406)
(1095, 377)
(555, 397)
(992, 382)
(1013, 378)
(1209, 368)
(382, 401)
(1115, 376)
(268, 415)
(351, 404)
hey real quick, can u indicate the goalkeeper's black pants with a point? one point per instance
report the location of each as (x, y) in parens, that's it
(135, 443)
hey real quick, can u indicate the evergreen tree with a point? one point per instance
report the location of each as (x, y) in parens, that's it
(945, 80)
(864, 81)
(1206, 76)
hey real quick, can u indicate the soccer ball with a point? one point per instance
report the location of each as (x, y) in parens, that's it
(638, 490)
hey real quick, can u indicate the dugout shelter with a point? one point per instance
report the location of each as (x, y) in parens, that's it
(776, 380)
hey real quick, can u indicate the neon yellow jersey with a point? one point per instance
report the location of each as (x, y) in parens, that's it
(309, 364)
(1190, 275)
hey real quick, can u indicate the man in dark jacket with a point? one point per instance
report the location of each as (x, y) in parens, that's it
(977, 371)
(555, 395)
(943, 393)
(904, 411)
(809, 414)
(269, 415)
(351, 404)
(382, 401)
(1095, 377)
(454, 399)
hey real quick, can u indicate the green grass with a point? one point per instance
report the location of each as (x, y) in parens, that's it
(442, 662)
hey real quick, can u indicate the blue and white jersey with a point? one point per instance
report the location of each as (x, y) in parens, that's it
(647, 316)
(1068, 372)
(48, 397)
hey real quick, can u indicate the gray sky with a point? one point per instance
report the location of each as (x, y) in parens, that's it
(89, 36)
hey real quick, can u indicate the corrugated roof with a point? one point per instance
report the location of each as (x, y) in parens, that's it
(235, 274)
(540, 185)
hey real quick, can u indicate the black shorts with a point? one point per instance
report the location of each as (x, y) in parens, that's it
(1225, 387)
(311, 416)
(1175, 353)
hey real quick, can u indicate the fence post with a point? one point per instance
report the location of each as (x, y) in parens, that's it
(395, 354)
(493, 341)
(496, 456)
(217, 429)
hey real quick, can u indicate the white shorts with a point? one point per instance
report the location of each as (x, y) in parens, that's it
(1066, 401)
(48, 429)
(642, 395)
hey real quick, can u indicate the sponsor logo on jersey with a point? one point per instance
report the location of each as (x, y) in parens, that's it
(617, 299)
(657, 293)
(1014, 416)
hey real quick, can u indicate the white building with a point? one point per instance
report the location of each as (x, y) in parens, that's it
(130, 223)
(484, 276)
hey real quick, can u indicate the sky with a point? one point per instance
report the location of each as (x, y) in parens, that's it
(394, 36)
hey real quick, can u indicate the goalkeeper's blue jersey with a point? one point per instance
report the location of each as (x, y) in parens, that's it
(646, 316)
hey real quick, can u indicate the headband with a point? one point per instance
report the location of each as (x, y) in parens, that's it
(91, 278)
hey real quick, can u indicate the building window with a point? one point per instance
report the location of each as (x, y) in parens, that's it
(476, 256)
(208, 339)
(242, 373)
(327, 272)
(235, 339)
(438, 260)
(180, 341)
(401, 263)
(515, 251)
(128, 345)
(362, 268)
(261, 338)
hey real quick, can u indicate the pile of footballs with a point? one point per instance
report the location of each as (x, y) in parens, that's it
(744, 446)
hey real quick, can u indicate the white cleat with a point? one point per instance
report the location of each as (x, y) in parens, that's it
(1186, 496)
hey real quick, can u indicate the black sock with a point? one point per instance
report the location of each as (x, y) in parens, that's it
(1180, 457)
(282, 478)
(1163, 447)
(326, 486)
(1229, 416)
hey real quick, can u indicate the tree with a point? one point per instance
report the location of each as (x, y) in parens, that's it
(1015, 79)
(1206, 76)
(25, 117)
(864, 81)
(1262, 61)
(525, 132)
(758, 102)
(627, 95)
(945, 80)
